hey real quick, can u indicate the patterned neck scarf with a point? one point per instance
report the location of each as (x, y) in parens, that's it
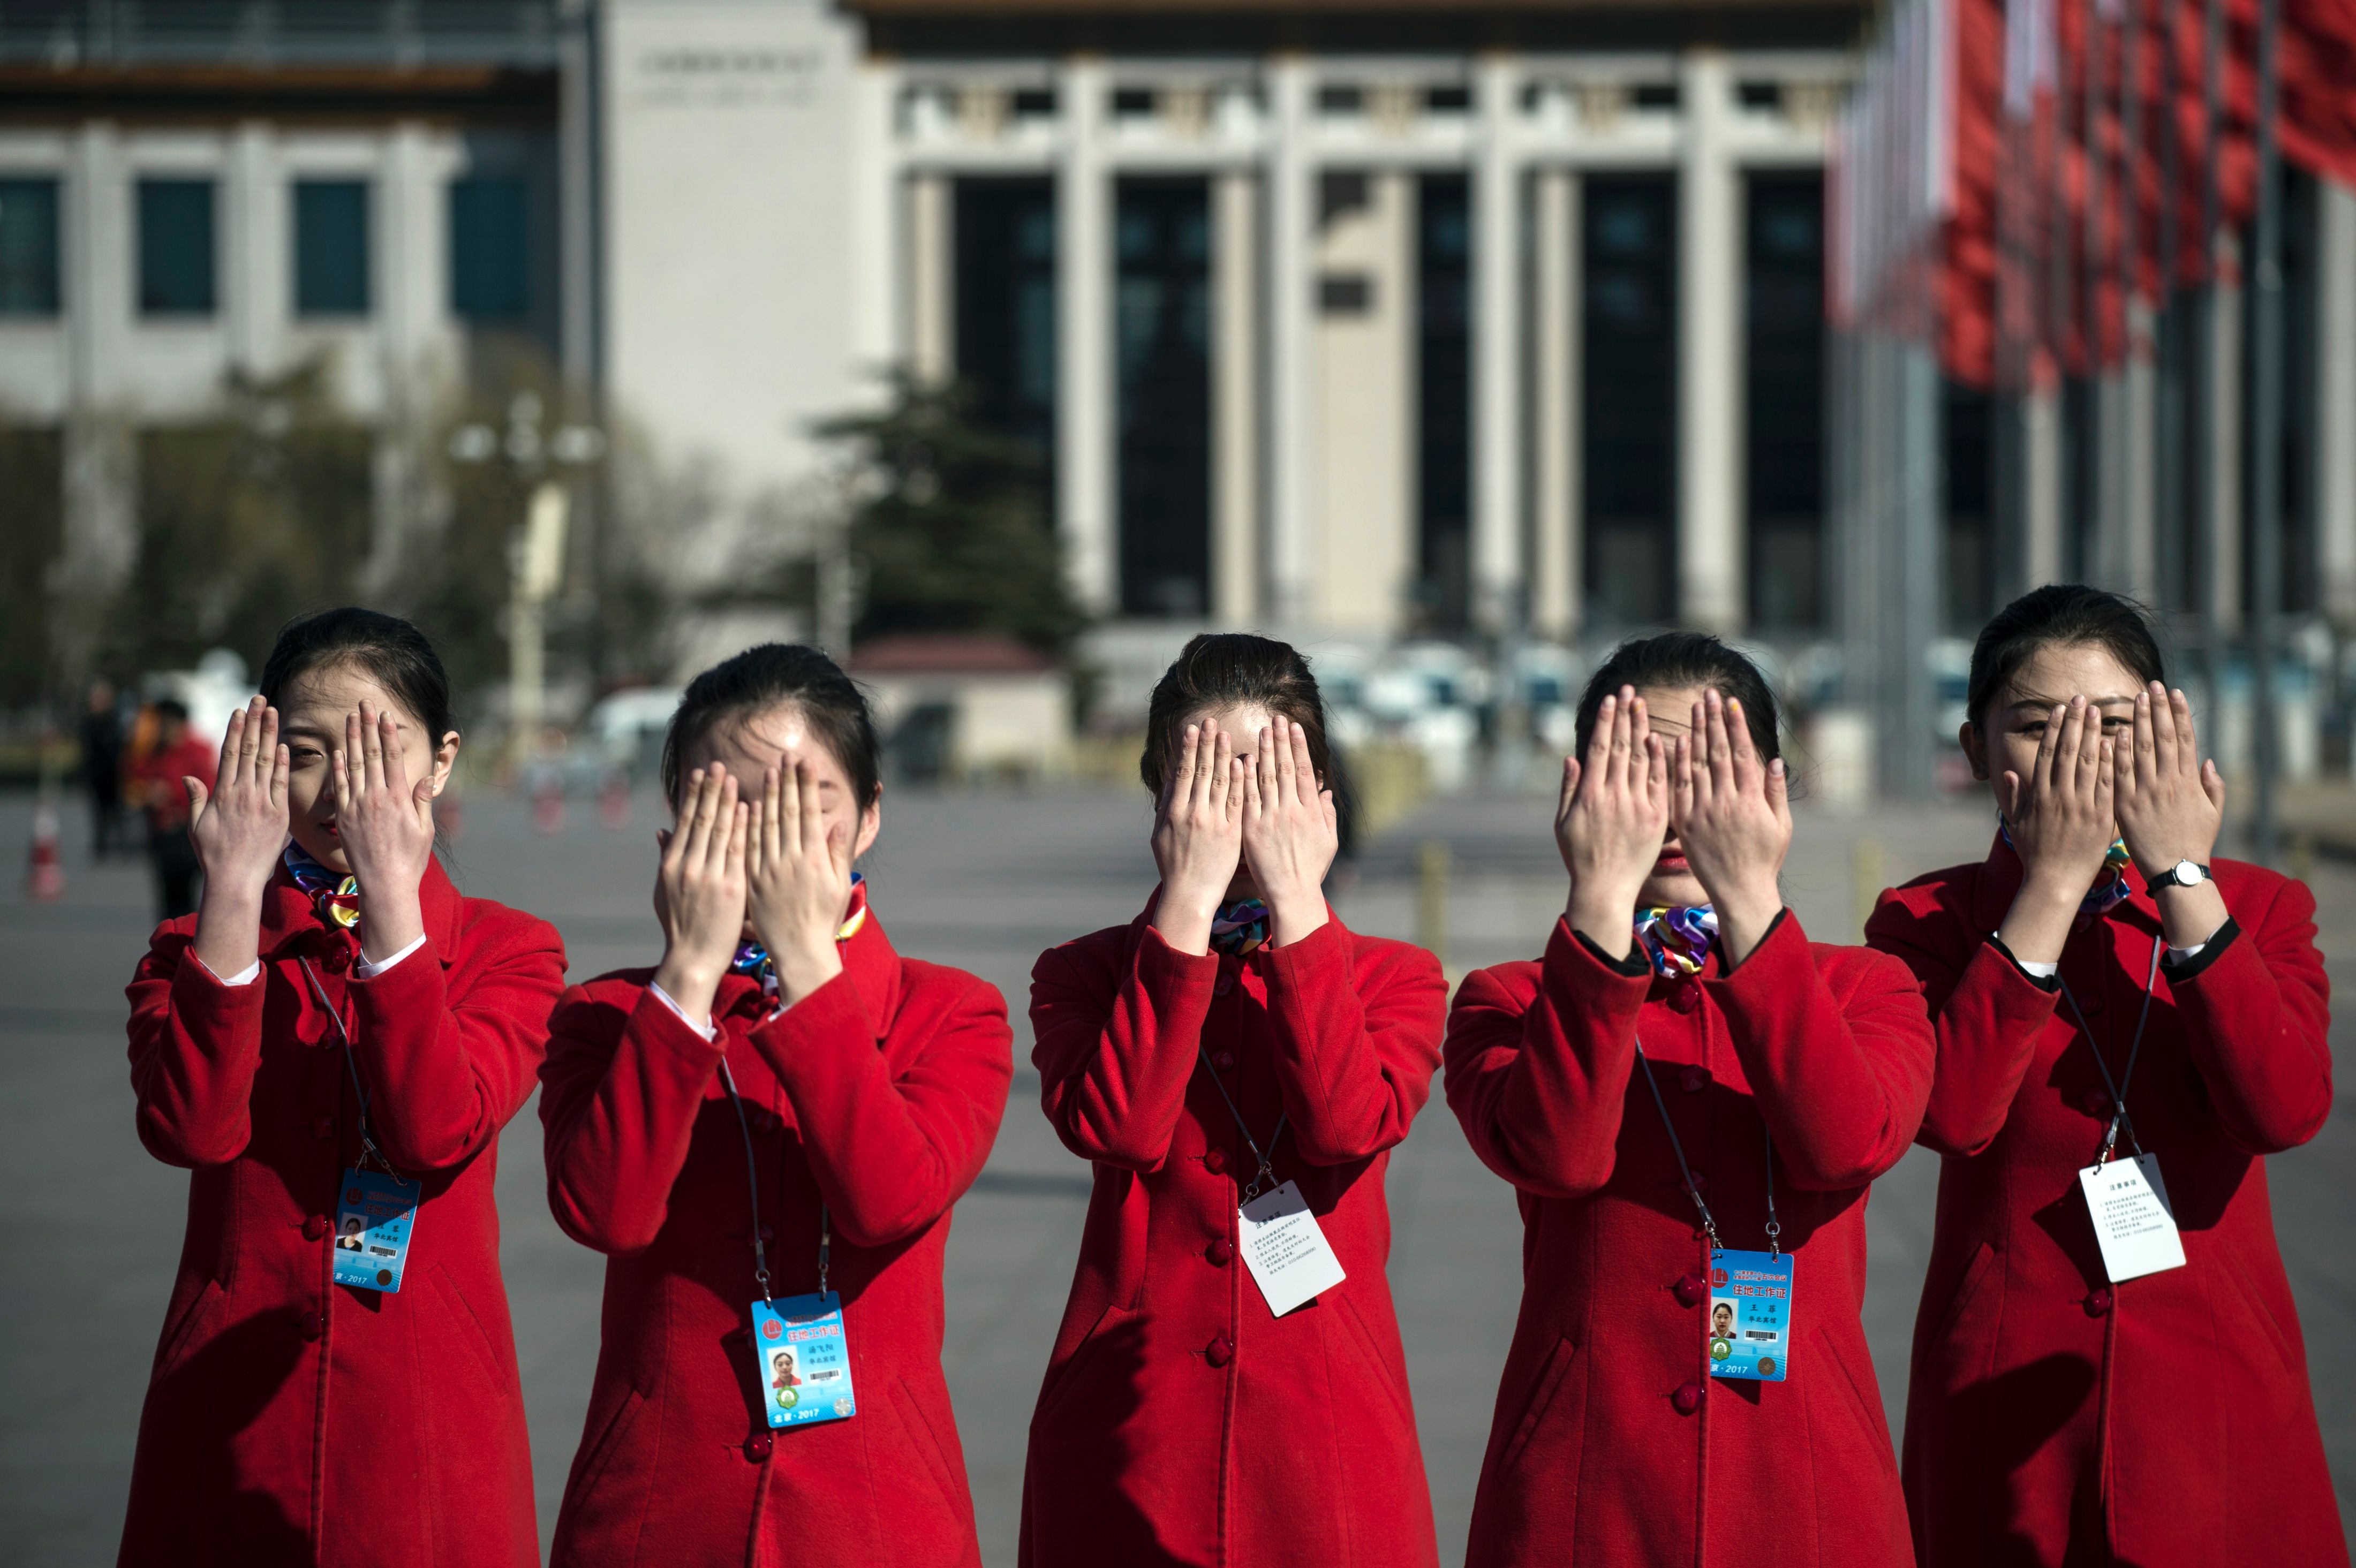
(336, 896)
(1239, 928)
(2110, 888)
(1678, 938)
(751, 958)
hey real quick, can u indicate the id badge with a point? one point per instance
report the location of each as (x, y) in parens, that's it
(2133, 1222)
(372, 1222)
(1289, 1259)
(1750, 1324)
(802, 1363)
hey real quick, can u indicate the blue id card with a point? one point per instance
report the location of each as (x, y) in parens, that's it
(373, 1213)
(1750, 1322)
(803, 1362)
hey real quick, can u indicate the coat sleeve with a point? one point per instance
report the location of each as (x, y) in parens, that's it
(1841, 1077)
(1985, 1016)
(1114, 1055)
(1539, 1085)
(196, 1045)
(619, 1095)
(1355, 1054)
(450, 1055)
(2257, 1017)
(891, 1154)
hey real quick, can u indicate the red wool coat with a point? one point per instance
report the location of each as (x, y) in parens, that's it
(2054, 1418)
(1180, 1421)
(879, 1095)
(290, 1419)
(1612, 1444)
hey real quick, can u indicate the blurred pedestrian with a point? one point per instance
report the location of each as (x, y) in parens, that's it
(2121, 1384)
(1237, 1064)
(1691, 1099)
(770, 1128)
(311, 1402)
(174, 759)
(101, 768)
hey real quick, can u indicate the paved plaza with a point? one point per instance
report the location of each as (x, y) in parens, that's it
(89, 1225)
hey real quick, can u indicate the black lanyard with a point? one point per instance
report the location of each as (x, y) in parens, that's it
(1262, 1156)
(2118, 1087)
(1685, 1171)
(368, 1145)
(753, 1187)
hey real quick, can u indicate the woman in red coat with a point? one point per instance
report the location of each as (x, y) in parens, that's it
(766, 1133)
(2099, 997)
(1690, 1099)
(331, 1046)
(1233, 1045)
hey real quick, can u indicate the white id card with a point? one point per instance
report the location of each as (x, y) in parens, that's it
(1290, 1258)
(2132, 1219)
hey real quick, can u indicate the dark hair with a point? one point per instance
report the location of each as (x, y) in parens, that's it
(1683, 659)
(388, 649)
(780, 675)
(171, 707)
(2058, 614)
(1232, 669)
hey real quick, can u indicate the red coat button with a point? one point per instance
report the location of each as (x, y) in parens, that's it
(323, 1128)
(1693, 1080)
(1220, 1351)
(1222, 985)
(315, 1228)
(1223, 1059)
(1701, 1182)
(1687, 1399)
(310, 1325)
(1691, 1289)
(338, 959)
(2098, 1303)
(1221, 1253)
(1685, 997)
(1214, 1160)
(2097, 1104)
(757, 1447)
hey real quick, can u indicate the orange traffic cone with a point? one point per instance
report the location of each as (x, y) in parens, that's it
(45, 880)
(548, 802)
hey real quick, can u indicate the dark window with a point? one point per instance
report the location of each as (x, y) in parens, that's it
(1967, 427)
(1658, 95)
(1341, 98)
(1345, 293)
(28, 247)
(1759, 94)
(1783, 362)
(1132, 102)
(2297, 380)
(1628, 398)
(1163, 326)
(490, 248)
(1444, 397)
(331, 248)
(1453, 99)
(1005, 307)
(1034, 103)
(176, 246)
(1341, 192)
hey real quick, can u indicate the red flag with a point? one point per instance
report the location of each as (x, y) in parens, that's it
(2317, 61)
(1967, 302)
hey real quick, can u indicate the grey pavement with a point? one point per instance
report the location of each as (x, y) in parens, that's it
(90, 1226)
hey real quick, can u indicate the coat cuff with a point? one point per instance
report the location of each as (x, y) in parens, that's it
(398, 987)
(809, 1037)
(1783, 944)
(1166, 972)
(2210, 951)
(657, 1023)
(202, 999)
(1637, 965)
(2049, 984)
(1322, 949)
(1570, 952)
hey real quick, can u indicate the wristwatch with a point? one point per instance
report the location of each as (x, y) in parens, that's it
(2183, 874)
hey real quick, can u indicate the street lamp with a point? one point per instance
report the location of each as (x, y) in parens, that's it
(535, 551)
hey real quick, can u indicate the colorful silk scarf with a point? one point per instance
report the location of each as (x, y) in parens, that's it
(1239, 928)
(334, 896)
(1678, 938)
(751, 958)
(2110, 888)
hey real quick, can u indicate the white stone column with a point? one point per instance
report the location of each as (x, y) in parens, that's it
(2224, 561)
(1498, 572)
(1292, 423)
(1710, 357)
(578, 156)
(2040, 416)
(2334, 400)
(2140, 568)
(928, 263)
(256, 248)
(2107, 563)
(1235, 399)
(875, 88)
(1085, 390)
(1556, 590)
(1361, 542)
(101, 524)
(96, 261)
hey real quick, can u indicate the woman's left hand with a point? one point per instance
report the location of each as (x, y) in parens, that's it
(2170, 802)
(1291, 831)
(385, 824)
(797, 881)
(1733, 819)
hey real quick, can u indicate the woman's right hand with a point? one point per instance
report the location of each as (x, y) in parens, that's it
(1612, 819)
(2062, 821)
(238, 829)
(700, 892)
(1198, 837)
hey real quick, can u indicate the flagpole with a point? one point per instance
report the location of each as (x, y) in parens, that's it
(2203, 359)
(2266, 435)
(2169, 523)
